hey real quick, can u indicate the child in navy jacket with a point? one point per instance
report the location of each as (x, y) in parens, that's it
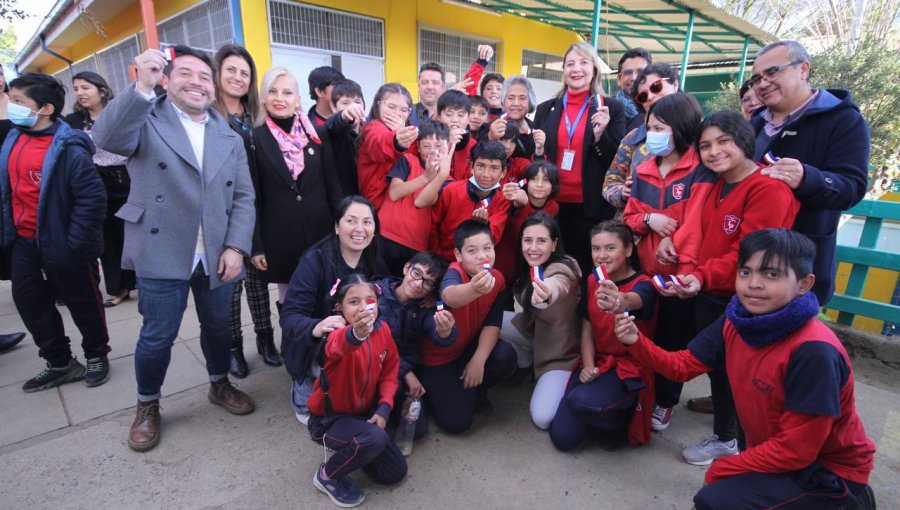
(353, 398)
(792, 382)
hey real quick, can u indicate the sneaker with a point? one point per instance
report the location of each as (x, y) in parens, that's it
(707, 450)
(661, 417)
(51, 377)
(303, 418)
(97, 371)
(341, 491)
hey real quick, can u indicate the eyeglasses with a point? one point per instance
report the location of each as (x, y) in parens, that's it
(628, 73)
(416, 274)
(770, 73)
(655, 87)
(394, 107)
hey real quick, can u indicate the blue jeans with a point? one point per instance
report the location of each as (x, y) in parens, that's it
(162, 304)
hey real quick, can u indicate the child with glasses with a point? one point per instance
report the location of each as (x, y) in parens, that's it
(385, 138)
(415, 181)
(406, 306)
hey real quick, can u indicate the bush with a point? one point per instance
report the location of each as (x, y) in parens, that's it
(870, 74)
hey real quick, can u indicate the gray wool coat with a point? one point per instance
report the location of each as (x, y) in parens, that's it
(170, 194)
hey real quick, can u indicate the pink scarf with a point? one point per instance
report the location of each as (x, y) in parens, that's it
(292, 144)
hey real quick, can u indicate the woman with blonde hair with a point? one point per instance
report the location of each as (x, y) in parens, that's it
(583, 128)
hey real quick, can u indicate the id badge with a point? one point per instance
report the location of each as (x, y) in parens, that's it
(568, 160)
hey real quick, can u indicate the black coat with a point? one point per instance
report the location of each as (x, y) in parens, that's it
(291, 215)
(596, 157)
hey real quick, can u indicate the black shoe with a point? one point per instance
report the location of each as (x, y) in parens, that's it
(237, 365)
(265, 345)
(483, 405)
(97, 371)
(11, 340)
(51, 377)
(613, 440)
(517, 378)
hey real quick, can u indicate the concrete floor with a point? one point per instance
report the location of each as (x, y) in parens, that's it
(66, 447)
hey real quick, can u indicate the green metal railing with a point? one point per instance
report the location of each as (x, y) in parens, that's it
(862, 257)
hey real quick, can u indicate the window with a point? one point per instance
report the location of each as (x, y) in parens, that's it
(114, 62)
(455, 53)
(65, 77)
(296, 24)
(542, 66)
(205, 27)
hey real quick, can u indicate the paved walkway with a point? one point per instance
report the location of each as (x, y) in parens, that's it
(66, 448)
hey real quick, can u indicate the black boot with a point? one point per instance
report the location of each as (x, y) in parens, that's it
(237, 365)
(265, 345)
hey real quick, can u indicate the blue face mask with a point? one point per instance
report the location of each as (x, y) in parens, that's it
(483, 190)
(21, 115)
(658, 143)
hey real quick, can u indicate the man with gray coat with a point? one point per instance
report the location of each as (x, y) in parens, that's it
(188, 221)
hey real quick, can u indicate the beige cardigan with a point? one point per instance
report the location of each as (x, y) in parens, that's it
(554, 327)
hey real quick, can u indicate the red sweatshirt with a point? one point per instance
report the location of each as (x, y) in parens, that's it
(461, 168)
(669, 195)
(26, 161)
(401, 221)
(363, 374)
(570, 186)
(455, 205)
(753, 204)
(515, 171)
(778, 440)
(376, 155)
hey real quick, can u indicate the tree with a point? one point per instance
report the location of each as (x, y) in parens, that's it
(7, 45)
(10, 12)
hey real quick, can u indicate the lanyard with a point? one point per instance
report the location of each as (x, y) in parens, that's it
(570, 129)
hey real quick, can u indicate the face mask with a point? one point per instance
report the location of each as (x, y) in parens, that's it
(658, 143)
(483, 190)
(20, 115)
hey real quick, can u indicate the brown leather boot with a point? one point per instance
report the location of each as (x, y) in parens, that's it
(144, 433)
(225, 394)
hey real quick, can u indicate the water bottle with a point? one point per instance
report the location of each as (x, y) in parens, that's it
(406, 431)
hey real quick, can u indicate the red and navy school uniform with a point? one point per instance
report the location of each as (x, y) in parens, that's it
(794, 392)
(726, 215)
(378, 151)
(620, 400)
(453, 406)
(402, 223)
(515, 168)
(362, 378)
(457, 202)
(506, 251)
(317, 119)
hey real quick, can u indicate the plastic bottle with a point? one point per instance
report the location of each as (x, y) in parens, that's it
(406, 431)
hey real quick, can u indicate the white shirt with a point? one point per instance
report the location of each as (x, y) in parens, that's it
(196, 132)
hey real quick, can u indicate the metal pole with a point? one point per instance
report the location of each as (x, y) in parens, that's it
(743, 61)
(687, 50)
(595, 25)
(148, 14)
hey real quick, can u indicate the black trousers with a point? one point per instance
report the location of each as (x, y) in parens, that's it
(116, 279)
(395, 255)
(674, 329)
(707, 309)
(358, 444)
(453, 406)
(35, 289)
(575, 229)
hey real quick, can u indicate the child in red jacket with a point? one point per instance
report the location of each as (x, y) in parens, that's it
(476, 198)
(453, 110)
(384, 139)
(793, 383)
(353, 398)
(741, 200)
(415, 181)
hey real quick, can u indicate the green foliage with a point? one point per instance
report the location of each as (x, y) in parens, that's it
(9, 10)
(7, 45)
(871, 74)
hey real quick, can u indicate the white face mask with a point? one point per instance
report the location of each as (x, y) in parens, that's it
(483, 190)
(659, 143)
(21, 115)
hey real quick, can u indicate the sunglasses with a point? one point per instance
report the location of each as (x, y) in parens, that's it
(655, 87)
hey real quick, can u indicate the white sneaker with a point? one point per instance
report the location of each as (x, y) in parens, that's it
(707, 450)
(661, 417)
(303, 418)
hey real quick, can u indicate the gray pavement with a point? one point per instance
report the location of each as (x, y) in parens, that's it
(66, 447)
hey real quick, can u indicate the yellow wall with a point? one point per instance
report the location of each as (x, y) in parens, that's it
(124, 24)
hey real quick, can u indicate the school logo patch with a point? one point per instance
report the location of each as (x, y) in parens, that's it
(35, 176)
(762, 386)
(731, 224)
(678, 191)
(381, 358)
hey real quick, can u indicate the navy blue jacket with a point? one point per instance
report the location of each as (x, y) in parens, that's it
(72, 201)
(832, 141)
